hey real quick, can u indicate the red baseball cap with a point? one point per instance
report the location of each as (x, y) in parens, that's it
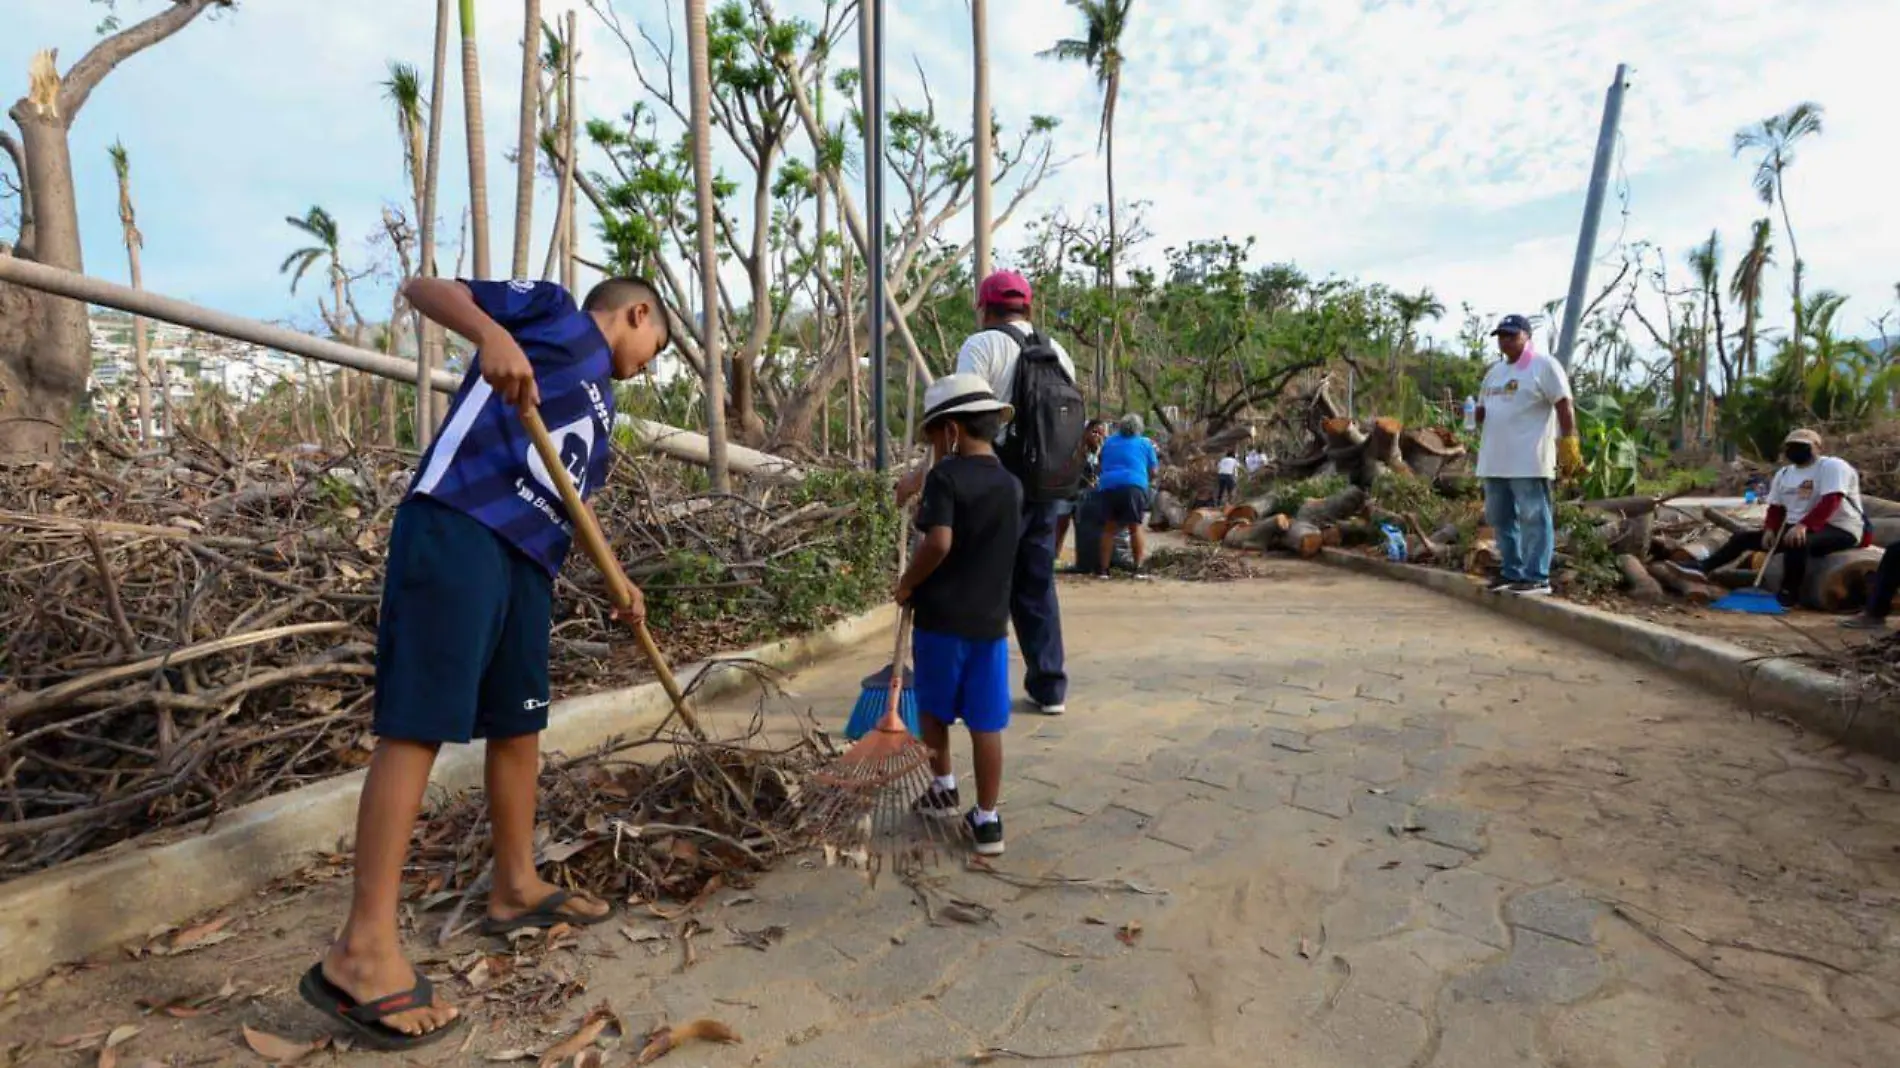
(1004, 289)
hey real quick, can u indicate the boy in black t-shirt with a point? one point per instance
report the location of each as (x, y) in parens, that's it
(957, 586)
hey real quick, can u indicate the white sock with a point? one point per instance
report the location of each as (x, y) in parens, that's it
(986, 816)
(947, 782)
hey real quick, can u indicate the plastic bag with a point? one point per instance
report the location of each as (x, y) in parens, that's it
(1394, 542)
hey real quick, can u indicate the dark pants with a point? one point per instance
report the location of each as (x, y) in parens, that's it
(1033, 607)
(1886, 583)
(1794, 560)
(1227, 485)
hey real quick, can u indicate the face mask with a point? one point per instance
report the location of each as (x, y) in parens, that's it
(1799, 455)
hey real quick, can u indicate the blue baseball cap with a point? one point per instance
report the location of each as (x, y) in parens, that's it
(1513, 324)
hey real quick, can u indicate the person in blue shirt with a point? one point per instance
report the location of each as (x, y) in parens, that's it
(1128, 466)
(462, 637)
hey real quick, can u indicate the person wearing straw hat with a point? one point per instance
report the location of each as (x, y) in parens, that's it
(958, 588)
(1814, 502)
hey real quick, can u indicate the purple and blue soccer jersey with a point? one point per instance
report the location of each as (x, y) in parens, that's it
(484, 464)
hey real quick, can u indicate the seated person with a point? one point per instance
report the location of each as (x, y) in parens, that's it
(1814, 502)
(1880, 598)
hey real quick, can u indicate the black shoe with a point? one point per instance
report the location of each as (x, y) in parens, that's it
(938, 803)
(1863, 621)
(987, 836)
(1530, 589)
(1788, 600)
(1498, 585)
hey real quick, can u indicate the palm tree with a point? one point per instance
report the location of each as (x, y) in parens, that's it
(1100, 49)
(528, 144)
(701, 71)
(141, 344)
(477, 150)
(1776, 138)
(1411, 311)
(320, 226)
(403, 90)
(1705, 260)
(979, 37)
(1744, 286)
(1842, 379)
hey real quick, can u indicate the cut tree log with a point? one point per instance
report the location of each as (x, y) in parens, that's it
(1729, 523)
(1330, 537)
(1482, 557)
(1169, 513)
(1238, 535)
(1380, 453)
(1633, 535)
(1304, 538)
(1837, 582)
(1638, 583)
(1267, 533)
(1886, 530)
(1243, 513)
(1879, 507)
(1205, 524)
(1427, 451)
(1693, 590)
(1697, 549)
(1330, 511)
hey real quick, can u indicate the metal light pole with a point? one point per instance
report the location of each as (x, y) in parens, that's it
(871, 41)
(1592, 214)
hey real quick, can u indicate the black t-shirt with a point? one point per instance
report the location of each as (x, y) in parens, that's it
(982, 504)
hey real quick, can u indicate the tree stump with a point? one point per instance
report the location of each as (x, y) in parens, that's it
(1638, 583)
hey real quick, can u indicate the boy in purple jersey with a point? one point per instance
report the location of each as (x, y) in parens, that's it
(462, 641)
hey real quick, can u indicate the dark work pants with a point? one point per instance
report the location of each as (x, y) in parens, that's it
(1886, 583)
(1032, 605)
(1794, 562)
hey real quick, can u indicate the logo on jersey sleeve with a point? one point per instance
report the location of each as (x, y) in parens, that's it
(521, 285)
(575, 443)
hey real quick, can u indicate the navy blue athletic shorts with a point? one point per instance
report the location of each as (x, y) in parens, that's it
(962, 679)
(1125, 505)
(462, 645)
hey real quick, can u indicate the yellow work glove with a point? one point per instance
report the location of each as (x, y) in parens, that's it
(1569, 457)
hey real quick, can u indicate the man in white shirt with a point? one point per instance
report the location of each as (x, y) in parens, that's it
(1814, 502)
(1525, 397)
(1227, 478)
(1005, 299)
(1255, 461)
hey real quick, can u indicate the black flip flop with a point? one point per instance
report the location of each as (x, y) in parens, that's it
(365, 1019)
(545, 914)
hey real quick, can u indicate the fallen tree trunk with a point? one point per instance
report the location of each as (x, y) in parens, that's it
(1169, 513)
(1633, 535)
(669, 441)
(1205, 524)
(1238, 535)
(1329, 511)
(1380, 453)
(1697, 549)
(1729, 523)
(1304, 538)
(1638, 583)
(1837, 582)
(1243, 513)
(1879, 507)
(1427, 451)
(1267, 533)
(1693, 590)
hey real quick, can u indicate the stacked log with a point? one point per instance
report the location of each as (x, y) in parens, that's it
(1206, 524)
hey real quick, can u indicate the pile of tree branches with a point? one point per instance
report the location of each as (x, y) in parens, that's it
(187, 630)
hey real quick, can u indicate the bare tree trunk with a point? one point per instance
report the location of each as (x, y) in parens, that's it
(569, 244)
(979, 37)
(847, 324)
(477, 142)
(141, 340)
(1114, 300)
(711, 343)
(527, 144)
(429, 340)
(46, 344)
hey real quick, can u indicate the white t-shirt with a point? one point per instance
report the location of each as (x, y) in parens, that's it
(1799, 489)
(992, 354)
(1228, 466)
(1519, 399)
(1255, 462)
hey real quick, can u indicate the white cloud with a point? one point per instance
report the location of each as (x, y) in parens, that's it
(1430, 142)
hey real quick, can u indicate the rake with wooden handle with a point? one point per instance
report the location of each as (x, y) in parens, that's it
(619, 587)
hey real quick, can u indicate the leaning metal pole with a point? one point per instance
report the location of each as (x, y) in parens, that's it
(1592, 214)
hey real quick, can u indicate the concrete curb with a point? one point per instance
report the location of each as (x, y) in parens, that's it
(95, 903)
(1816, 700)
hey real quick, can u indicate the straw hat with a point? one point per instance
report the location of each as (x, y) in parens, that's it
(962, 394)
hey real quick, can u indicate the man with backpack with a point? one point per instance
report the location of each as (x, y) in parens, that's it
(1044, 448)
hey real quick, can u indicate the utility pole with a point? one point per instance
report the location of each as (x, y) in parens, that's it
(871, 41)
(1592, 214)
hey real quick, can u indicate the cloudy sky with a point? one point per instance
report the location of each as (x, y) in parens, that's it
(1441, 143)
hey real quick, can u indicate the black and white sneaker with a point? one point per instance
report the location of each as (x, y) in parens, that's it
(987, 837)
(1498, 585)
(1531, 589)
(938, 803)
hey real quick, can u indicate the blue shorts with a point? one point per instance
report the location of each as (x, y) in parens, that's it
(462, 643)
(962, 679)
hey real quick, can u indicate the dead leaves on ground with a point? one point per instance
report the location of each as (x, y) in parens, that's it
(601, 1031)
(278, 1049)
(664, 1040)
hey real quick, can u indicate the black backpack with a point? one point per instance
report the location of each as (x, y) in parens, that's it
(1043, 444)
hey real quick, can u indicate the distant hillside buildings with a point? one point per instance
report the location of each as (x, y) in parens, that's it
(187, 363)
